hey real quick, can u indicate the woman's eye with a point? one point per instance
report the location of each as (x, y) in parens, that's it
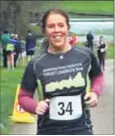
(50, 26)
(61, 25)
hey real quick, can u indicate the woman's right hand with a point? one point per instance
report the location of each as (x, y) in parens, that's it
(42, 107)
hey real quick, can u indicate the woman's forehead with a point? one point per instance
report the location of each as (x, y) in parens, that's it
(55, 17)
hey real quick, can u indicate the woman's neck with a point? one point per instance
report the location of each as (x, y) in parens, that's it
(54, 50)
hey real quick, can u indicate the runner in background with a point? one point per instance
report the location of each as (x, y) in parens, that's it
(101, 51)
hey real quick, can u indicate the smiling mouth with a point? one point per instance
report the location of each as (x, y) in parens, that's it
(57, 37)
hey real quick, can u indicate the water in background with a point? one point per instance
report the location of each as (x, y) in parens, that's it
(98, 27)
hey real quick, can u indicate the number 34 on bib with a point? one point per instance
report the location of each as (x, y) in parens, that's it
(65, 107)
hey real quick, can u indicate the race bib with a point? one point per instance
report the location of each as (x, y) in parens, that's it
(102, 50)
(65, 107)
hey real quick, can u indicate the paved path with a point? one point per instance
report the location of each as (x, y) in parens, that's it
(102, 116)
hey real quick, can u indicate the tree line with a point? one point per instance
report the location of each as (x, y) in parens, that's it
(16, 15)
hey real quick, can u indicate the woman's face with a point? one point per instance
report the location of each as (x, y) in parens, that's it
(56, 30)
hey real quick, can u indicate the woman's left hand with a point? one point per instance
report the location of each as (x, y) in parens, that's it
(91, 99)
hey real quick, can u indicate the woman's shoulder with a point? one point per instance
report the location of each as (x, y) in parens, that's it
(82, 48)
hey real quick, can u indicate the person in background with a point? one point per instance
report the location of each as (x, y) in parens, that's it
(17, 49)
(10, 47)
(101, 51)
(4, 40)
(23, 51)
(90, 39)
(61, 74)
(30, 45)
(73, 40)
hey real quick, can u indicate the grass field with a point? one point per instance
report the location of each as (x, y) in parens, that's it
(9, 81)
(76, 6)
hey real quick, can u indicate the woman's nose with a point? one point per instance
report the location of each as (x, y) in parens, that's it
(56, 28)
